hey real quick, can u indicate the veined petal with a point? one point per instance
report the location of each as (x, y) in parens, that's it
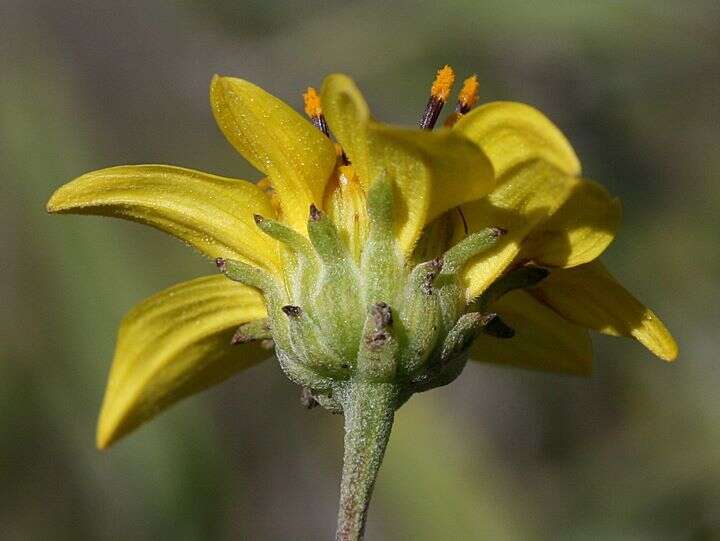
(174, 344)
(528, 197)
(211, 213)
(579, 231)
(432, 171)
(275, 139)
(543, 340)
(511, 133)
(589, 296)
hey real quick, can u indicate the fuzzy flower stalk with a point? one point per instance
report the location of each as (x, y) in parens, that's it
(371, 261)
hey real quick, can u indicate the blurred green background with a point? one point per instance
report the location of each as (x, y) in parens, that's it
(631, 453)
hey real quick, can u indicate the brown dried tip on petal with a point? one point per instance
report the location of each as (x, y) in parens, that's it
(439, 93)
(468, 96)
(315, 213)
(258, 219)
(307, 399)
(435, 266)
(487, 318)
(292, 311)
(220, 262)
(497, 328)
(382, 315)
(240, 338)
(376, 339)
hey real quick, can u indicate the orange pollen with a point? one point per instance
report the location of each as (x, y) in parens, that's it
(469, 93)
(442, 85)
(312, 103)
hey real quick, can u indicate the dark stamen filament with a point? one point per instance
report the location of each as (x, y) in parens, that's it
(439, 93)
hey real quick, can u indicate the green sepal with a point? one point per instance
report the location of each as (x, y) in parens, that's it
(378, 352)
(302, 375)
(326, 239)
(382, 262)
(420, 316)
(307, 344)
(272, 291)
(296, 242)
(469, 247)
(253, 331)
(453, 353)
(334, 295)
(246, 274)
(299, 251)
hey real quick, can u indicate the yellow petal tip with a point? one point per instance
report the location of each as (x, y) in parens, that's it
(104, 436)
(670, 352)
(58, 200)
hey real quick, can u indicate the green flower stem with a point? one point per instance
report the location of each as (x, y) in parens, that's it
(369, 410)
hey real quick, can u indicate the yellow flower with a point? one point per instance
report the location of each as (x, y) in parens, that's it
(383, 257)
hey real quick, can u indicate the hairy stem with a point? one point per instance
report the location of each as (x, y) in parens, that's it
(369, 410)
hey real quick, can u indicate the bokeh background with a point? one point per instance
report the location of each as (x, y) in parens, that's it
(631, 453)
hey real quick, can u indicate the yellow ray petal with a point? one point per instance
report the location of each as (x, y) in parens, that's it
(346, 206)
(580, 230)
(589, 296)
(528, 197)
(278, 141)
(511, 133)
(174, 344)
(543, 340)
(432, 171)
(348, 115)
(211, 213)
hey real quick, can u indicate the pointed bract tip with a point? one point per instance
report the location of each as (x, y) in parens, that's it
(292, 311)
(496, 327)
(382, 315)
(315, 213)
(239, 338)
(220, 263)
(499, 231)
(538, 273)
(258, 219)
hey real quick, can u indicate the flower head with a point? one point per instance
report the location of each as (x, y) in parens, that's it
(372, 267)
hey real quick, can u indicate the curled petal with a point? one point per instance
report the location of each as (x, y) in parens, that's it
(511, 133)
(174, 344)
(543, 340)
(588, 295)
(579, 231)
(211, 213)
(275, 139)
